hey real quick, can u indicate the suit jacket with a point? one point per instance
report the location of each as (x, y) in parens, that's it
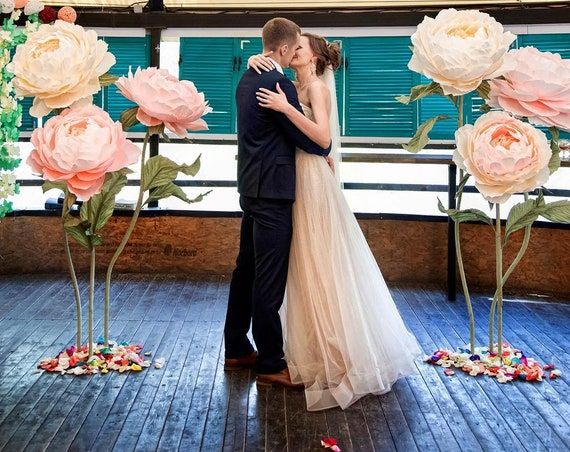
(267, 139)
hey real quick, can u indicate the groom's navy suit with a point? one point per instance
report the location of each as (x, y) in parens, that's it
(266, 182)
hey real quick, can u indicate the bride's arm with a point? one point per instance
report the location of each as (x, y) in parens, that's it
(319, 130)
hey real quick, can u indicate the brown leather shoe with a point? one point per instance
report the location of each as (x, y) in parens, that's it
(245, 362)
(282, 378)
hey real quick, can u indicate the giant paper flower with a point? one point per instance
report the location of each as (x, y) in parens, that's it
(504, 155)
(80, 146)
(460, 49)
(60, 65)
(537, 87)
(163, 99)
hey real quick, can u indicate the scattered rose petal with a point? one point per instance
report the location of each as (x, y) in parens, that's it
(330, 443)
(159, 363)
(449, 372)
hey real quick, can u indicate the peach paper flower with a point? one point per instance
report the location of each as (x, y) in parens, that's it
(163, 99)
(538, 87)
(80, 146)
(503, 154)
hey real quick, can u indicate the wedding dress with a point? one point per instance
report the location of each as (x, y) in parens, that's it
(344, 337)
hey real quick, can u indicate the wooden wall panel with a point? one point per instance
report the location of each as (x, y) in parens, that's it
(408, 251)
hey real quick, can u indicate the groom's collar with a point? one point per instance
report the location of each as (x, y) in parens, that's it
(276, 64)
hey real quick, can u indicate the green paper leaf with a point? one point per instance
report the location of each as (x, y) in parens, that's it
(558, 211)
(107, 79)
(159, 170)
(460, 216)
(78, 233)
(484, 89)
(103, 203)
(554, 162)
(461, 185)
(521, 216)
(96, 240)
(421, 91)
(128, 118)
(70, 221)
(48, 185)
(421, 138)
(485, 108)
(191, 170)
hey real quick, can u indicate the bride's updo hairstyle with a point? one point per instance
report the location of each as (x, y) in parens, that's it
(327, 53)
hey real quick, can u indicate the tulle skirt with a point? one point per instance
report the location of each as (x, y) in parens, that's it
(344, 337)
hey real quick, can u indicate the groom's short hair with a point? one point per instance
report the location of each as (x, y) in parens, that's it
(279, 31)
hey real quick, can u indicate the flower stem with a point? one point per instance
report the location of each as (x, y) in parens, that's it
(123, 244)
(72, 275)
(506, 276)
(499, 274)
(458, 246)
(91, 296)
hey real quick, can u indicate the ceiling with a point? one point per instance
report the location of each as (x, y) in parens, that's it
(288, 4)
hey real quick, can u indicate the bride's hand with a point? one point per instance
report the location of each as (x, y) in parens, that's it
(260, 62)
(276, 101)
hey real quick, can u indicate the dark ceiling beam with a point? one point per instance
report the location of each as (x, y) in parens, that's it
(535, 14)
(156, 5)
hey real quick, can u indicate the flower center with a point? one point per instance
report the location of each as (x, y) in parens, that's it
(462, 31)
(50, 45)
(77, 128)
(503, 137)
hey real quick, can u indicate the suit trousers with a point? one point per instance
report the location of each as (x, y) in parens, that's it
(258, 282)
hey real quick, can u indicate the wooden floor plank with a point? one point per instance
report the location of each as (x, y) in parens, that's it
(483, 412)
(276, 425)
(193, 404)
(53, 396)
(196, 419)
(442, 394)
(132, 427)
(510, 400)
(165, 396)
(377, 424)
(71, 397)
(109, 432)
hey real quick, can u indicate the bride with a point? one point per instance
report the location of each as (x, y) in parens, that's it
(344, 337)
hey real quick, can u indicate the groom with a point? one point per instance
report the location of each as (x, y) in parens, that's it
(266, 183)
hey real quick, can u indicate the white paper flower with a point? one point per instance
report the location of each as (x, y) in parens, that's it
(59, 65)
(460, 49)
(33, 7)
(7, 185)
(6, 6)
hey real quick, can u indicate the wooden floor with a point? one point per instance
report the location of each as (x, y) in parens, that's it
(191, 404)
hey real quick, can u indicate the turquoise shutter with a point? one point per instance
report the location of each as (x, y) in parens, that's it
(29, 123)
(377, 72)
(210, 64)
(129, 52)
(556, 43)
(438, 105)
(244, 48)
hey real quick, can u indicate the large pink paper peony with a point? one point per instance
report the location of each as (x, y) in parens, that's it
(504, 155)
(163, 99)
(538, 87)
(79, 147)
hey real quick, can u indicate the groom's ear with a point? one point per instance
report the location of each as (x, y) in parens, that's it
(283, 49)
